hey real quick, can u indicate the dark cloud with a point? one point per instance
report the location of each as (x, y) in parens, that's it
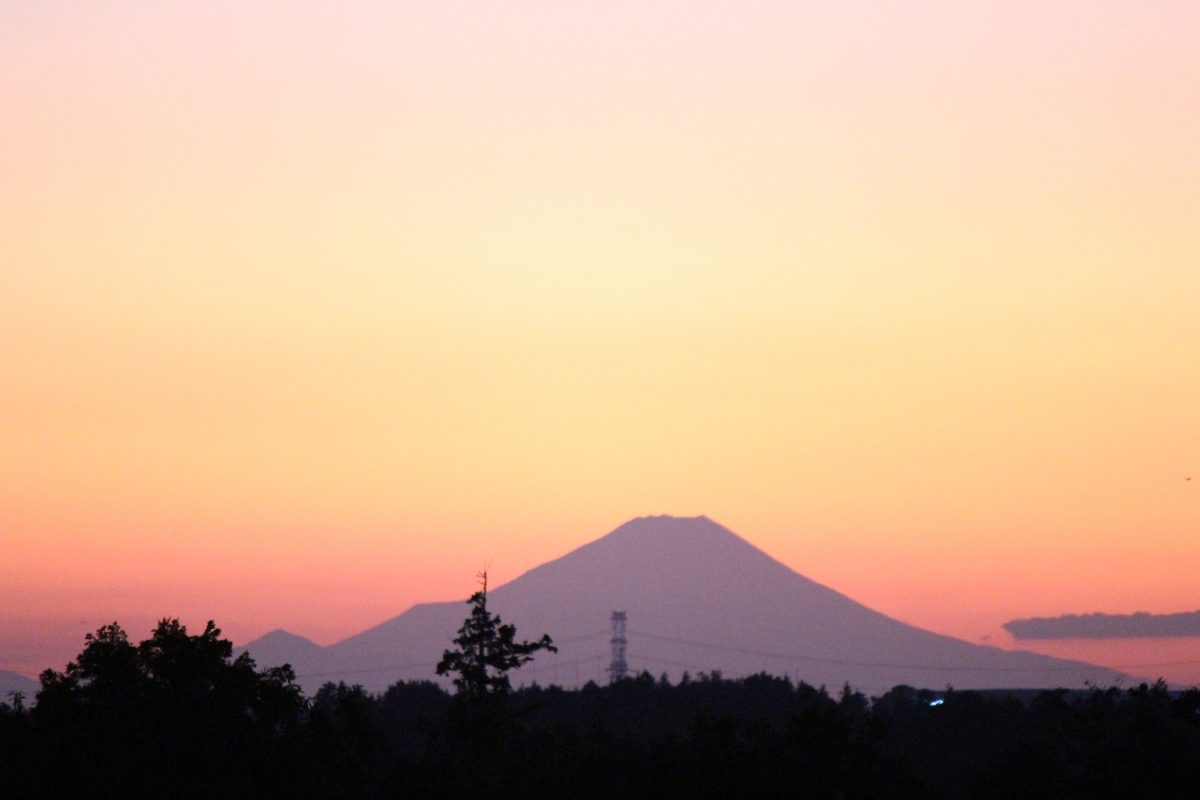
(1106, 626)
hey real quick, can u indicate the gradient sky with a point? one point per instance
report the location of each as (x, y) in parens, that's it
(311, 310)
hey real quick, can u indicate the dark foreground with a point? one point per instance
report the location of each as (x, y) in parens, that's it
(178, 717)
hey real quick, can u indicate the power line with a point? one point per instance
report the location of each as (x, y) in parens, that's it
(389, 667)
(889, 665)
(1158, 664)
(429, 664)
(748, 651)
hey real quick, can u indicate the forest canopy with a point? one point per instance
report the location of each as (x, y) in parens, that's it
(178, 715)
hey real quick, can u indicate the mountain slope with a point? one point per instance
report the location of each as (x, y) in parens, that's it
(281, 647)
(697, 597)
(15, 682)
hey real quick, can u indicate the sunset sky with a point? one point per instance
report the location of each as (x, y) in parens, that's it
(311, 310)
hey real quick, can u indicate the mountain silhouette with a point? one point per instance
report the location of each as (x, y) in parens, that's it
(697, 598)
(15, 682)
(281, 647)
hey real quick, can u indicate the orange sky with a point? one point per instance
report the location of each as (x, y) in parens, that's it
(311, 310)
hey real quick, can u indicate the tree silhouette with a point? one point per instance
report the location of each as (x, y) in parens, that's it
(172, 664)
(487, 651)
(177, 715)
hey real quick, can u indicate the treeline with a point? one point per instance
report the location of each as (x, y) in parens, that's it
(177, 716)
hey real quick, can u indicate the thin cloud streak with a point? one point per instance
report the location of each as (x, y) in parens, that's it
(1106, 626)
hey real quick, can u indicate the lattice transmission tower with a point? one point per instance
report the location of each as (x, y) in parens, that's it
(618, 668)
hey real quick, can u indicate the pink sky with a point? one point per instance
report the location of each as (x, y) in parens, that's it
(312, 309)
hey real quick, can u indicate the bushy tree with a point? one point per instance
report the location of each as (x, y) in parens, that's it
(172, 665)
(176, 710)
(487, 650)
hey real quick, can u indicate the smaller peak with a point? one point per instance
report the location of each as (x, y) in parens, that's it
(281, 635)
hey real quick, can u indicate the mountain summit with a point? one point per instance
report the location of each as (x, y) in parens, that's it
(697, 598)
(12, 682)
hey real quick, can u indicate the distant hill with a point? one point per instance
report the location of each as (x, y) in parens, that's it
(280, 647)
(698, 598)
(13, 682)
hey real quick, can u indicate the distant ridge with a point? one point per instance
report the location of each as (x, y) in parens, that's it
(15, 682)
(281, 647)
(698, 598)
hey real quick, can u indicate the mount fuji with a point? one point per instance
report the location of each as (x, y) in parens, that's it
(697, 598)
